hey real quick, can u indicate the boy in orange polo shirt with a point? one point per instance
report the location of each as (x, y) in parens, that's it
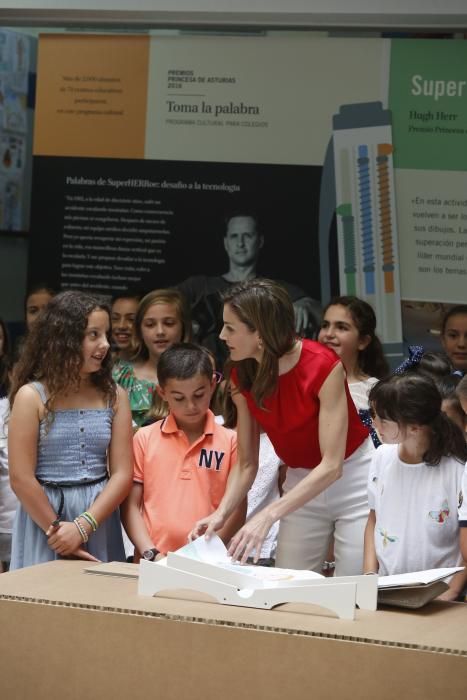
(181, 463)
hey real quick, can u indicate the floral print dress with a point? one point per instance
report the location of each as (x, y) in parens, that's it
(140, 391)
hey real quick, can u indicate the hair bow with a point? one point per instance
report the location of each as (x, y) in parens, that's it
(365, 417)
(415, 355)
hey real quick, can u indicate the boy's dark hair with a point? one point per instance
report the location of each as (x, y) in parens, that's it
(414, 399)
(184, 361)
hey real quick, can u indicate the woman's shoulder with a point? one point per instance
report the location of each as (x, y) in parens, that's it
(312, 351)
(316, 362)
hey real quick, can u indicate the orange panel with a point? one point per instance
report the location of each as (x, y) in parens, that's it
(91, 96)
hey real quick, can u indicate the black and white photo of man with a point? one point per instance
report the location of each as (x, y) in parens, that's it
(243, 242)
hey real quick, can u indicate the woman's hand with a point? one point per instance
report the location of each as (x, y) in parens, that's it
(249, 540)
(66, 541)
(207, 526)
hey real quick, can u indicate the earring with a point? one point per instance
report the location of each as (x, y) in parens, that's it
(260, 344)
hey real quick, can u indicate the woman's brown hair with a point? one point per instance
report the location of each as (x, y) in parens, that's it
(263, 306)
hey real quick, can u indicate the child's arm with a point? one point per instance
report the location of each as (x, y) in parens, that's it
(23, 433)
(459, 581)
(133, 520)
(463, 541)
(370, 561)
(120, 461)
(456, 585)
(234, 522)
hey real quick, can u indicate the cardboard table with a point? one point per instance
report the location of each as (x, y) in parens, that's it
(69, 634)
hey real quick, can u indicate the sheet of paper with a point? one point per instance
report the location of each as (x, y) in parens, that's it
(210, 551)
(272, 575)
(415, 578)
(213, 551)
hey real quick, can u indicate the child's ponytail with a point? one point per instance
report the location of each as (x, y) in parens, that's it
(447, 440)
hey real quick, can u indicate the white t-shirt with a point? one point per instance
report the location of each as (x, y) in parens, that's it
(416, 509)
(359, 392)
(265, 490)
(8, 501)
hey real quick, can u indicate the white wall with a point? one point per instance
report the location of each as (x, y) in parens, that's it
(441, 14)
(347, 7)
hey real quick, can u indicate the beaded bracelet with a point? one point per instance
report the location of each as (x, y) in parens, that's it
(89, 519)
(81, 530)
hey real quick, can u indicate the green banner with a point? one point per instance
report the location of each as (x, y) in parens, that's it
(428, 98)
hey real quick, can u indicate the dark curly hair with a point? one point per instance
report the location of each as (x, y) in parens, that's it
(52, 351)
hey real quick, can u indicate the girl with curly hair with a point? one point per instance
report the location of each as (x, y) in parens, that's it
(69, 437)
